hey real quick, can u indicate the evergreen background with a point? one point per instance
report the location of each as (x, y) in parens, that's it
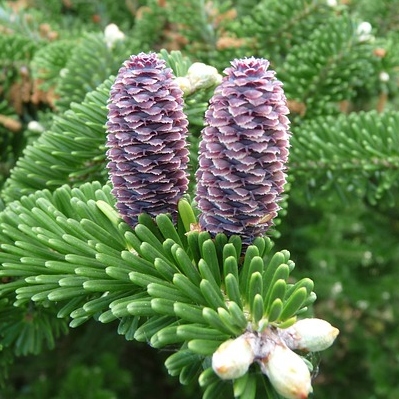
(340, 219)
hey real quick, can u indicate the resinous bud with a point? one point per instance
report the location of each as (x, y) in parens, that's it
(233, 358)
(184, 84)
(202, 76)
(113, 34)
(287, 372)
(312, 335)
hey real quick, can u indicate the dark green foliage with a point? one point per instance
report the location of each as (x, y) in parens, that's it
(8, 147)
(94, 362)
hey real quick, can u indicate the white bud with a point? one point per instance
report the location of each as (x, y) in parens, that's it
(287, 372)
(311, 335)
(332, 3)
(233, 358)
(35, 126)
(364, 31)
(384, 76)
(336, 288)
(203, 76)
(364, 27)
(112, 35)
(184, 84)
(64, 72)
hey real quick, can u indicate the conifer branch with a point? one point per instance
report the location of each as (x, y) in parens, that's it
(202, 278)
(357, 152)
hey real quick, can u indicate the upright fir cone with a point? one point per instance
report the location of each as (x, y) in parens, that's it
(146, 138)
(243, 151)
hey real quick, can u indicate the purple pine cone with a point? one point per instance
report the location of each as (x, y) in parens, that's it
(243, 151)
(146, 138)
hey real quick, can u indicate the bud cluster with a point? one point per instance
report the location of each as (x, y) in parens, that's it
(273, 349)
(199, 76)
(112, 35)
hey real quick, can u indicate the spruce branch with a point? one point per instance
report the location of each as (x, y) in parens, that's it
(91, 62)
(16, 51)
(278, 26)
(364, 144)
(329, 66)
(48, 63)
(168, 281)
(48, 162)
(149, 277)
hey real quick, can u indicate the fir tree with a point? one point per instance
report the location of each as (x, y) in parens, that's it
(69, 259)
